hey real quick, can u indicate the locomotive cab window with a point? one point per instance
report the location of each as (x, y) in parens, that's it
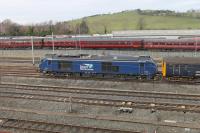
(141, 64)
(49, 62)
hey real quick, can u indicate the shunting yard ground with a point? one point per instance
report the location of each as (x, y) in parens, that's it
(30, 104)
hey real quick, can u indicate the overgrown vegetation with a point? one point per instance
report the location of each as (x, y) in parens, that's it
(106, 23)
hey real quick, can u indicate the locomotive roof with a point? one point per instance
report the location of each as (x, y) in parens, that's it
(182, 60)
(103, 57)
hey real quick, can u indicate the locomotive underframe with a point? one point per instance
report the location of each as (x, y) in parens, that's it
(102, 75)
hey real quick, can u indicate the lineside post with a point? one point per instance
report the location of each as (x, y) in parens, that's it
(195, 52)
(52, 43)
(33, 58)
(70, 104)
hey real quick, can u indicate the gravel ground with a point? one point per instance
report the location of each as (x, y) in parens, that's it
(138, 114)
(62, 115)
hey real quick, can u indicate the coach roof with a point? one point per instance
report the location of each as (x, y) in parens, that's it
(182, 60)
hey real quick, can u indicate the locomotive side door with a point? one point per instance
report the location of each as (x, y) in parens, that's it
(142, 68)
(49, 64)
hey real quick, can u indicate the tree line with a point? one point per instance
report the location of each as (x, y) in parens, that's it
(190, 13)
(9, 28)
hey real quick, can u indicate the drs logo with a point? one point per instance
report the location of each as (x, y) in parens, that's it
(88, 67)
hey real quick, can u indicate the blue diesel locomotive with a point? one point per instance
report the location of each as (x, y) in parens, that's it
(100, 65)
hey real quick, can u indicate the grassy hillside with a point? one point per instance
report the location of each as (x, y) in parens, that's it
(129, 21)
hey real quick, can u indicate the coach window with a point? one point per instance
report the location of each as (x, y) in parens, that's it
(186, 67)
(170, 66)
(176, 66)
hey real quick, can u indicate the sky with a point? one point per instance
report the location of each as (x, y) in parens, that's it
(36, 11)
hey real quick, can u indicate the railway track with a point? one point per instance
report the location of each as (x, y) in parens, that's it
(107, 99)
(19, 71)
(23, 60)
(17, 68)
(41, 126)
(161, 124)
(108, 92)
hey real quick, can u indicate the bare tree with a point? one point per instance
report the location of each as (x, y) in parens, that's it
(83, 27)
(141, 24)
(105, 29)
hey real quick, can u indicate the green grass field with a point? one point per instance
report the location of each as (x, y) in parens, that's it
(129, 21)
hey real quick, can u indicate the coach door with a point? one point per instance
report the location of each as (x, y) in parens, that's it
(142, 68)
(176, 70)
